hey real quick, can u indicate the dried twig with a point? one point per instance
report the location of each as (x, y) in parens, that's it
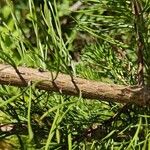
(76, 6)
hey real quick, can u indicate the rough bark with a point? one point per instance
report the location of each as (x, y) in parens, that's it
(22, 76)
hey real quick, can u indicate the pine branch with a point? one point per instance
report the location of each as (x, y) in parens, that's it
(63, 84)
(139, 26)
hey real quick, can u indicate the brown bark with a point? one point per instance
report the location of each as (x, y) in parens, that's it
(22, 76)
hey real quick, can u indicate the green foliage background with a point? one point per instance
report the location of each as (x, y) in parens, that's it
(45, 34)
